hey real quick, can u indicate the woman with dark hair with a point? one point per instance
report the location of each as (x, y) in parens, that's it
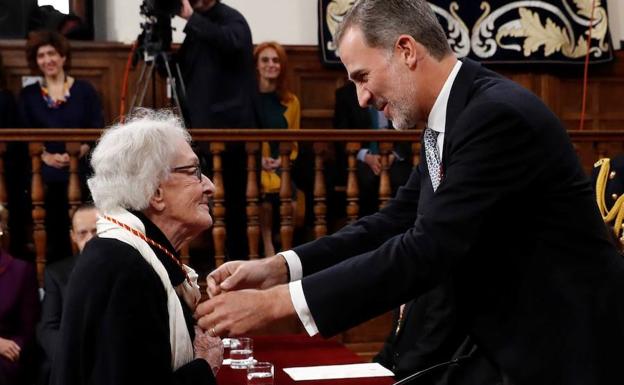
(279, 108)
(57, 101)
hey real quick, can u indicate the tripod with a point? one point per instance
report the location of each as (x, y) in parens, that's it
(147, 73)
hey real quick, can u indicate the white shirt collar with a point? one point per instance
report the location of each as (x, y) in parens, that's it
(437, 116)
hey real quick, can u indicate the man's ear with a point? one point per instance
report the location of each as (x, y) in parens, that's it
(157, 201)
(410, 50)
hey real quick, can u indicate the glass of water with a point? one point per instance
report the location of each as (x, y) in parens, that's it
(260, 373)
(241, 352)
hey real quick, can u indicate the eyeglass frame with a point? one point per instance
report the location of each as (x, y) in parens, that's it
(198, 173)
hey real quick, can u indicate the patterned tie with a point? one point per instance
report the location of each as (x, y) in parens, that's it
(433, 158)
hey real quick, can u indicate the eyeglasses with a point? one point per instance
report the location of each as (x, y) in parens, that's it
(191, 169)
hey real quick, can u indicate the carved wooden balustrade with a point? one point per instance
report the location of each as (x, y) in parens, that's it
(590, 146)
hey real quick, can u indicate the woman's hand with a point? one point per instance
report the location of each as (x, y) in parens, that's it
(208, 348)
(9, 349)
(55, 160)
(270, 164)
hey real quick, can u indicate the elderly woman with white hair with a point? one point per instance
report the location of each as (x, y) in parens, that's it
(128, 316)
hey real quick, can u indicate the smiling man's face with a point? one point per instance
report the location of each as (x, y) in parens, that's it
(382, 79)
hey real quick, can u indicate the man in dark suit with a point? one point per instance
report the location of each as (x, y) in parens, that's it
(348, 114)
(501, 205)
(56, 277)
(216, 59)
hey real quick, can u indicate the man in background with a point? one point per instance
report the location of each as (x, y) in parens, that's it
(216, 59)
(349, 115)
(55, 282)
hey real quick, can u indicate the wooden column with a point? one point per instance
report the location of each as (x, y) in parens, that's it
(38, 212)
(286, 193)
(252, 194)
(320, 191)
(385, 190)
(416, 153)
(353, 191)
(218, 229)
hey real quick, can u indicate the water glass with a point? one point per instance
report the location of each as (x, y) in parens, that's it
(260, 373)
(241, 352)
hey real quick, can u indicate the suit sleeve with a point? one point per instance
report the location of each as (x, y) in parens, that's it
(490, 158)
(52, 308)
(233, 36)
(366, 234)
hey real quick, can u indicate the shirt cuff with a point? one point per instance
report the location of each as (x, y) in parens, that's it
(294, 265)
(301, 307)
(362, 154)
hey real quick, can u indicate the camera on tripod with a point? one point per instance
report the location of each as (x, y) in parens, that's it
(156, 35)
(153, 47)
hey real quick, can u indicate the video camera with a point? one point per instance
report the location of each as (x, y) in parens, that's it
(156, 35)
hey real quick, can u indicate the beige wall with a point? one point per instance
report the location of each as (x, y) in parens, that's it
(287, 21)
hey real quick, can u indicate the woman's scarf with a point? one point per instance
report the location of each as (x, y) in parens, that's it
(179, 338)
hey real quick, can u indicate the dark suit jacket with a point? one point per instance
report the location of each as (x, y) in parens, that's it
(429, 334)
(514, 223)
(56, 277)
(217, 65)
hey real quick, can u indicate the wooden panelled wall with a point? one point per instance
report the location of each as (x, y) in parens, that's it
(560, 87)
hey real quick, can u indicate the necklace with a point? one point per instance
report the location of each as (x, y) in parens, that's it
(51, 103)
(151, 242)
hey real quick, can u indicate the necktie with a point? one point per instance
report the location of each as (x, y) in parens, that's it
(433, 158)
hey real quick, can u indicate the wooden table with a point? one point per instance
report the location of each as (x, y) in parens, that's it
(285, 351)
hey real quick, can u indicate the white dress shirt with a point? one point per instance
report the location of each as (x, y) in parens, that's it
(437, 122)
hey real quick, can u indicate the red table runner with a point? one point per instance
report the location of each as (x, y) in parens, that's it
(286, 351)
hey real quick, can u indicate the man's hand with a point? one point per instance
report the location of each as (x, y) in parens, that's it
(258, 274)
(208, 348)
(374, 162)
(186, 10)
(55, 160)
(241, 312)
(9, 349)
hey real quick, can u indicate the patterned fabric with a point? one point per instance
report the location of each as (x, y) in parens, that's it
(503, 31)
(51, 103)
(433, 158)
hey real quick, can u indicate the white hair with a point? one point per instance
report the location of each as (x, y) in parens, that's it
(132, 158)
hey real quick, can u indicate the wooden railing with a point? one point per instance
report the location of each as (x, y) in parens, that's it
(590, 146)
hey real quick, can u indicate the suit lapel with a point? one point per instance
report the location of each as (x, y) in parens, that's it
(460, 92)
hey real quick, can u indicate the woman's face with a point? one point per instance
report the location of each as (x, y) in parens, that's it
(186, 193)
(269, 66)
(50, 61)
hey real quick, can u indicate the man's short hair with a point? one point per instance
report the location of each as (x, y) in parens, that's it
(383, 21)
